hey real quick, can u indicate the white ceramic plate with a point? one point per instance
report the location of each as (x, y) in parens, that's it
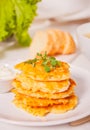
(84, 14)
(57, 8)
(10, 114)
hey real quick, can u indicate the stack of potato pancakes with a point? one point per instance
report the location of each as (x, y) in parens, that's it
(44, 86)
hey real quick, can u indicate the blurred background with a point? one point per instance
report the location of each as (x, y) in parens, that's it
(60, 12)
(64, 10)
(65, 15)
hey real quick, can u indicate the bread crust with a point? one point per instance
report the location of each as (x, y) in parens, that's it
(52, 41)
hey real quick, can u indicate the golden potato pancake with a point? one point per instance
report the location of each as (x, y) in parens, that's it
(42, 111)
(39, 102)
(43, 86)
(40, 94)
(38, 72)
(73, 100)
(36, 111)
(34, 85)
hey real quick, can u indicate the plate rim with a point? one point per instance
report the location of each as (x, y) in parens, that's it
(41, 123)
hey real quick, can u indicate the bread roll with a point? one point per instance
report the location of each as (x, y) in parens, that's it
(53, 42)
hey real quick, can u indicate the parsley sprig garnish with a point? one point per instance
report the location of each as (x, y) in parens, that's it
(49, 63)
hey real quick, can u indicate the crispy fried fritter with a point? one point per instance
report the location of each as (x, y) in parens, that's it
(39, 102)
(41, 111)
(52, 87)
(40, 94)
(38, 72)
(44, 85)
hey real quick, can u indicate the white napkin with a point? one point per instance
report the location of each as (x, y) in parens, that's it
(82, 61)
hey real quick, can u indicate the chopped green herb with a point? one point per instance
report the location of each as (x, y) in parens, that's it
(48, 63)
(47, 68)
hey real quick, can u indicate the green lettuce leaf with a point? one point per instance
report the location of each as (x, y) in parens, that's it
(16, 17)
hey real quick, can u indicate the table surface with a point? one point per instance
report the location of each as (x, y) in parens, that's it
(22, 54)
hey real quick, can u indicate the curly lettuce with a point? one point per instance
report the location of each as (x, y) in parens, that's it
(16, 17)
